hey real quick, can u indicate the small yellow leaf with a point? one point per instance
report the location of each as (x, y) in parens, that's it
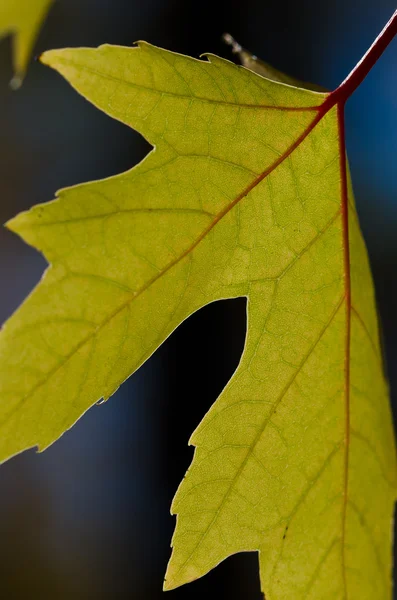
(23, 19)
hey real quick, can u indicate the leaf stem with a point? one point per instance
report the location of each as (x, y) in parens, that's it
(363, 67)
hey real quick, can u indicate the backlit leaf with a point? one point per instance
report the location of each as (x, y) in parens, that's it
(246, 194)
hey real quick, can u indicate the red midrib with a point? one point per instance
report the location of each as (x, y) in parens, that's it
(347, 279)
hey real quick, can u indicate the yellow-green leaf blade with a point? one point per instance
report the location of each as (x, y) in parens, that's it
(240, 197)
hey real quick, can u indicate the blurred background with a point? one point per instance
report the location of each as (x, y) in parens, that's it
(89, 518)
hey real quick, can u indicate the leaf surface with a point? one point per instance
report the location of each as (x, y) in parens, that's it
(246, 194)
(23, 19)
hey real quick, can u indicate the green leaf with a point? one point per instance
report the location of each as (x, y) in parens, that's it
(22, 18)
(246, 193)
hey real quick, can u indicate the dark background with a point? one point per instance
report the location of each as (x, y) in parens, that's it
(89, 518)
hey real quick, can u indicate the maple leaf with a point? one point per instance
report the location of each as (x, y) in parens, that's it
(246, 194)
(22, 18)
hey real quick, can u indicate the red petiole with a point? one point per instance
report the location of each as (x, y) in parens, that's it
(363, 67)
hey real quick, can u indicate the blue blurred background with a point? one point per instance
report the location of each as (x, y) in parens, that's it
(89, 518)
